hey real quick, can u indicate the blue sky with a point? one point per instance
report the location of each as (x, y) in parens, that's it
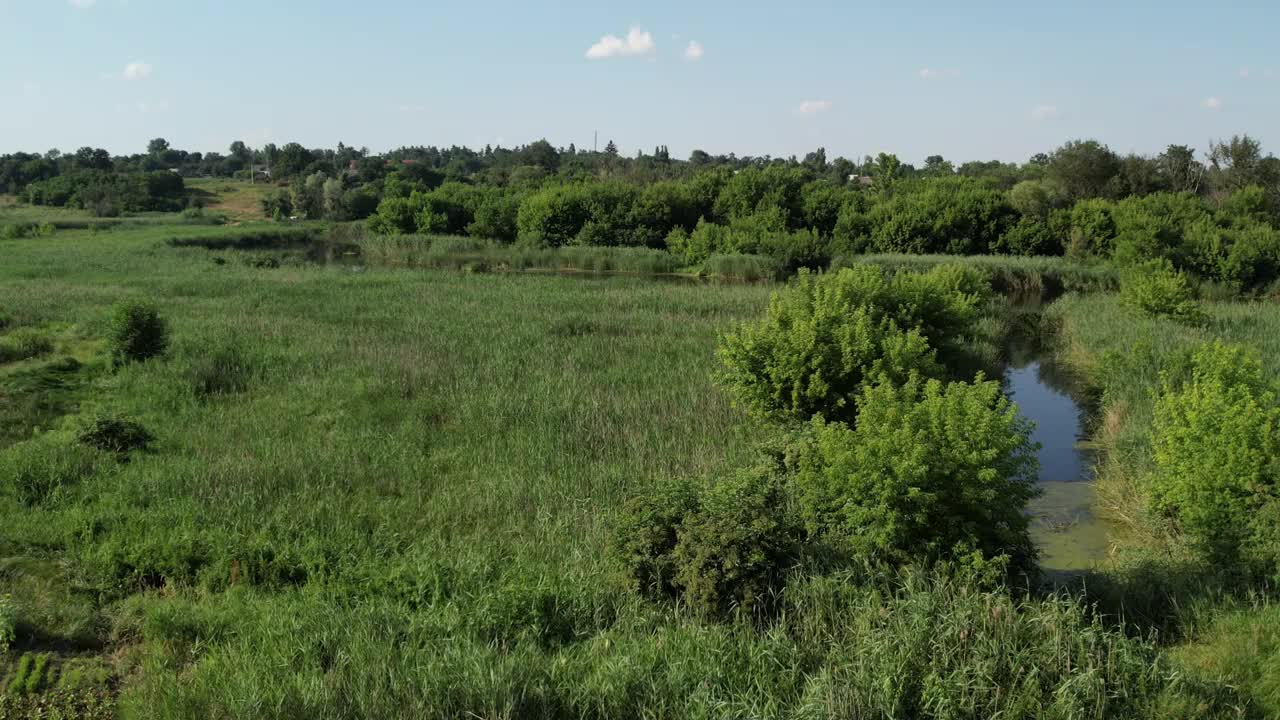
(968, 80)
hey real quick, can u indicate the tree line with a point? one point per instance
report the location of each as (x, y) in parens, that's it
(1213, 215)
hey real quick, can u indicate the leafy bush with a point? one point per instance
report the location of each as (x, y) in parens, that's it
(557, 216)
(828, 335)
(115, 434)
(720, 549)
(106, 193)
(23, 344)
(5, 320)
(772, 189)
(930, 472)
(18, 231)
(1156, 289)
(8, 623)
(1093, 229)
(1032, 236)
(495, 217)
(136, 332)
(35, 471)
(956, 216)
(1217, 448)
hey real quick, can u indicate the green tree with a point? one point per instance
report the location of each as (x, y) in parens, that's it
(1180, 169)
(1083, 169)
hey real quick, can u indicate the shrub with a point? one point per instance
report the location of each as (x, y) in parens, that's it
(752, 190)
(930, 472)
(35, 471)
(721, 549)
(1093, 229)
(136, 332)
(8, 623)
(645, 536)
(954, 215)
(23, 344)
(18, 231)
(495, 217)
(1156, 289)
(828, 335)
(1217, 439)
(5, 320)
(734, 552)
(115, 434)
(1032, 236)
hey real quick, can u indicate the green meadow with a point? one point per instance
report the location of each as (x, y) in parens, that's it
(387, 489)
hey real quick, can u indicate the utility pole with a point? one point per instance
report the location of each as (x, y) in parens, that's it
(595, 142)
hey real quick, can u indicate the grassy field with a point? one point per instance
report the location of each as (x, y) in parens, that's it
(387, 493)
(239, 200)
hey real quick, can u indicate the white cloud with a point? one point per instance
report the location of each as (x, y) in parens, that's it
(936, 73)
(82, 4)
(137, 70)
(637, 42)
(1244, 72)
(694, 52)
(813, 107)
(1212, 103)
(1044, 112)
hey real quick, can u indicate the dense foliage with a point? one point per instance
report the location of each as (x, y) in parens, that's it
(1217, 451)
(1214, 218)
(720, 549)
(829, 335)
(1156, 289)
(136, 332)
(872, 464)
(930, 472)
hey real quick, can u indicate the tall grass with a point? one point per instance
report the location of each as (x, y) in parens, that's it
(445, 252)
(387, 494)
(750, 268)
(920, 645)
(1012, 274)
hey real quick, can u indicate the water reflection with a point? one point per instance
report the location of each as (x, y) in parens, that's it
(1070, 536)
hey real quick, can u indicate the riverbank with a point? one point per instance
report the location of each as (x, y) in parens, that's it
(1216, 629)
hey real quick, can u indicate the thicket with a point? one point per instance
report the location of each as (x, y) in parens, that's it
(1082, 201)
(1216, 435)
(875, 461)
(108, 194)
(1213, 217)
(831, 334)
(1155, 288)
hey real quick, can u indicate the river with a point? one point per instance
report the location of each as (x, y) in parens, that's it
(1071, 538)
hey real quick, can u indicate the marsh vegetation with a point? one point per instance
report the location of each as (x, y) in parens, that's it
(316, 469)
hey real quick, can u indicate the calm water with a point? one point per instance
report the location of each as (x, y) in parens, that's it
(1070, 537)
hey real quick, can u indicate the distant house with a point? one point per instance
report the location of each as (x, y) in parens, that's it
(863, 180)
